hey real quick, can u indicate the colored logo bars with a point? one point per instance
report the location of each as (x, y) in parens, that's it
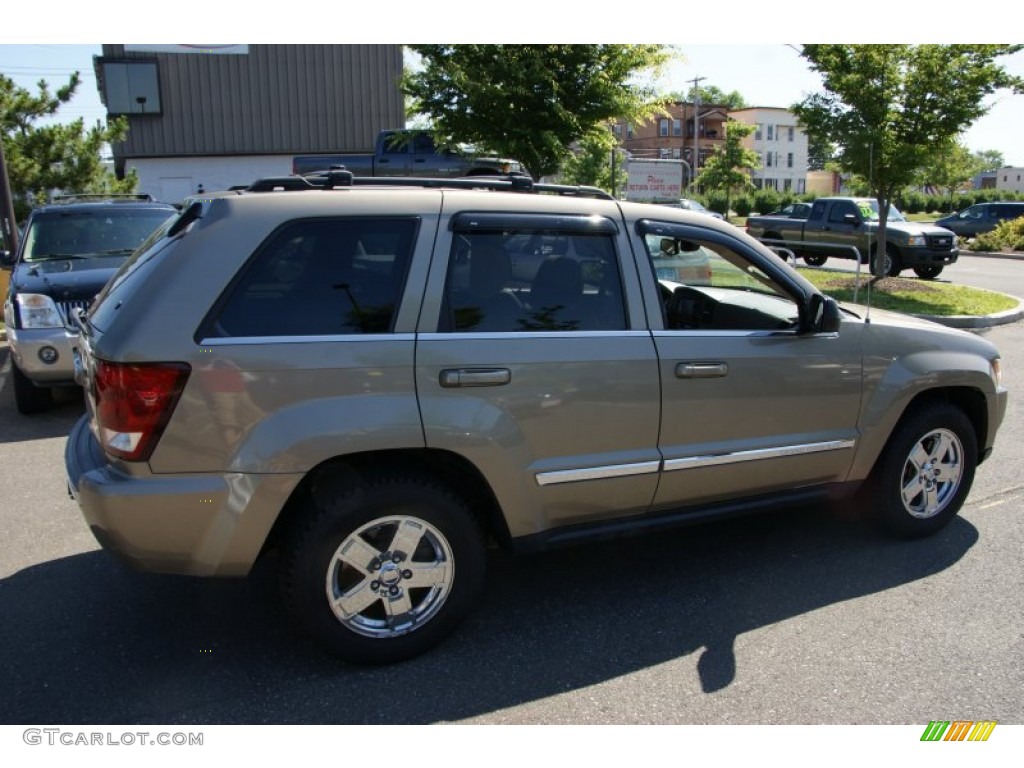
(958, 730)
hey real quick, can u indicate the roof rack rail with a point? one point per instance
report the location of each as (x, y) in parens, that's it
(339, 177)
(86, 197)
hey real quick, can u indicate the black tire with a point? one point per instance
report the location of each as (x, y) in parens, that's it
(928, 271)
(816, 261)
(344, 544)
(925, 472)
(28, 398)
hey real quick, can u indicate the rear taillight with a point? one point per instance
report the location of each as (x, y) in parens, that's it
(134, 402)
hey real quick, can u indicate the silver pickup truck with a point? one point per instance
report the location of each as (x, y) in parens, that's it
(377, 381)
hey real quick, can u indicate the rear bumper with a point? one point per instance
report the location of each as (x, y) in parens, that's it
(201, 524)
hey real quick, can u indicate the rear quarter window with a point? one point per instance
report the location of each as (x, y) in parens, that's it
(319, 277)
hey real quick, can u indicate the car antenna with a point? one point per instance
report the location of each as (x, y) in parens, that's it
(871, 173)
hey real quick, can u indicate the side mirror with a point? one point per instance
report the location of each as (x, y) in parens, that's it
(7, 258)
(823, 315)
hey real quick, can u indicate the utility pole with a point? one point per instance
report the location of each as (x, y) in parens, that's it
(7, 221)
(696, 130)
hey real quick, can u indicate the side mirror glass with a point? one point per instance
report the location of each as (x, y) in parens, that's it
(823, 315)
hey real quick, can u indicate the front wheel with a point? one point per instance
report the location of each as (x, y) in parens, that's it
(925, 472)
(28, 398)
(385, 570)
(929, 271)
(816, 261)
(890, 266)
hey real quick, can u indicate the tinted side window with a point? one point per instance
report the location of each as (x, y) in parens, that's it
(841, 209)
(530, 280)
(320, 277)
(706, 285)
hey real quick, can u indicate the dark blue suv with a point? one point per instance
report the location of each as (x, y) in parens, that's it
(67, 253)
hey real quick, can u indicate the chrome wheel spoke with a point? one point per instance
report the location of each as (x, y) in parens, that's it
(918, 457)
(355, 601)
(358, 554)
(407, 537)
(398, 607)
(437, 574)
(911, 491)
(943, 448)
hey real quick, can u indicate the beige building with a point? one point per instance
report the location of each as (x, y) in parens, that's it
(782, 146)
(1010, 179)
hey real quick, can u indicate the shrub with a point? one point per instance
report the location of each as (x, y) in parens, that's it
(743, 205)
(766, 200)
(1007, 236)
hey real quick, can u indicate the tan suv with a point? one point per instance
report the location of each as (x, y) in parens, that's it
(380, 379)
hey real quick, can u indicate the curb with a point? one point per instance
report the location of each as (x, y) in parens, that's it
(994, 255)
(979, 321)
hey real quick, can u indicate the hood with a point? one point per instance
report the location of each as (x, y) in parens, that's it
(65, 279)
(910, 228)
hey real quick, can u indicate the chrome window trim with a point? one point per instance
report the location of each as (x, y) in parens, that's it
(484, 335)
(224, 341)
(715, 460)
(559, 476)
(729, 334)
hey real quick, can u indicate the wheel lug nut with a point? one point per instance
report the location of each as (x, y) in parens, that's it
(393, 591)
(406, 574)
(374, 585)
(397, 557)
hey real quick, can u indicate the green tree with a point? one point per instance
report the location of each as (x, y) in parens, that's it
(727, 171)
(990, 160)
(532, 102)
(711, 94)
(41, 158)
(949, 166)
(886, 107)
(591, 163)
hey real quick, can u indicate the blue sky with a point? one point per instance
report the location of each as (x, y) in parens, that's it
(767, 74)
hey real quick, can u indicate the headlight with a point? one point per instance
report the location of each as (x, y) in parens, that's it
(916, 240)
(38, 311)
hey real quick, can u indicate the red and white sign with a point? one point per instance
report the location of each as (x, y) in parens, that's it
(654, 181)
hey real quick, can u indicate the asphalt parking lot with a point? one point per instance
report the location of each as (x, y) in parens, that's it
(803, 616)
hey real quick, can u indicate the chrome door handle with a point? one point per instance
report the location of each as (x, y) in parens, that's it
(701, 370)
(475, 377)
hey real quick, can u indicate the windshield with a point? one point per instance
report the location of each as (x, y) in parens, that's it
(85, 234)
(869, 211)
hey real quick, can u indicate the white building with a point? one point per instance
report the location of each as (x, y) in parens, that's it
(1010, 179)
(782, 146)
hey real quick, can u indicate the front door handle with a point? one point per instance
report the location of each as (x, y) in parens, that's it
(475, 377)
(701, 370)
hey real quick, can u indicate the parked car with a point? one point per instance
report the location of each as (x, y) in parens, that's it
(409, 153)
(981, 218)
(793, 211)
(69, 250)
(693, 205)
(355, 377)
(838, 225)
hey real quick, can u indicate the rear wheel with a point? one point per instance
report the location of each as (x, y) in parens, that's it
(925, 472)
(816, 261)
(384, 571)
(28, 398)
(929, 271)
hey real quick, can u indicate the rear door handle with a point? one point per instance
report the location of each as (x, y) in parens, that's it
(475, 377)
(701, 370)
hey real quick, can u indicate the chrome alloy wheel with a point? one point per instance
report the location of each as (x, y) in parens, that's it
(932, 473)
(390, 576)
